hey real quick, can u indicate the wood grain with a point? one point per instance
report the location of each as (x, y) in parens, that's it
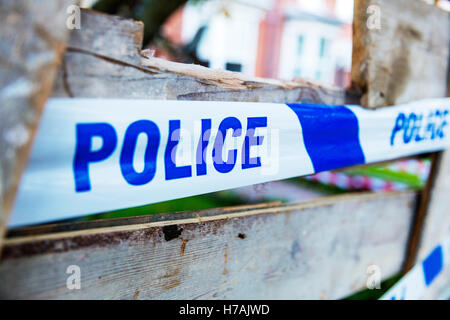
(422, 211)
(91, 70)
(108, 36)
(405, 59)
(312, 250)
(437, 221)
(436, 226)
(33, 38)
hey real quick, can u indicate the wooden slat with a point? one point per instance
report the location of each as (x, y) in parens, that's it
(437, 224)
(120, 40)
(405, 58)
(95, 71)
(32, 37)
(316, 250)
(422, 211)
(437, 221)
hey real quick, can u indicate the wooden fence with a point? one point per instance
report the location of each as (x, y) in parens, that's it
(316, 249)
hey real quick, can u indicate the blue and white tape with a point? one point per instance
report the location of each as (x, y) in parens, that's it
(415, 283)
(96, 155)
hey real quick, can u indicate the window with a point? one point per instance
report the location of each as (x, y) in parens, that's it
(324, 47)
(318, 75)
(300, 45)
(231, 66)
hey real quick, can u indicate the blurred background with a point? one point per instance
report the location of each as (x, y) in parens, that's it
(284, 39)
(267, 38)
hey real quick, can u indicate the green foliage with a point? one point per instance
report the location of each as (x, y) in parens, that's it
(385, 173)
(206, 201)
(319, 187)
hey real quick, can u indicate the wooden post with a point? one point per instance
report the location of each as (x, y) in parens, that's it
(437, 220)
(400, 56)
(400, 51)
(33, 37)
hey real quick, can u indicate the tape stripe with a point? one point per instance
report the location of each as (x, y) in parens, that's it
(414, 284)
(78, 167)
(330, 135)
(433, 265)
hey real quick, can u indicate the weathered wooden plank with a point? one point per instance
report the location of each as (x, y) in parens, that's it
(91, 70)
(121, 39)
(404, 56)
(32, 40)
(423, 208)
(437, 221)
(318, 249)
(436, 224)
(402, 59)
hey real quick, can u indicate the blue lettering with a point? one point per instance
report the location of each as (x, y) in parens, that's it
(252, 140)
(226, 124)
(417, 129)
(440, 129)
(430, 127)
(129, 147)
(172, 171)
(85, 132)
(399, 125)
(409, 129)
(202, 145)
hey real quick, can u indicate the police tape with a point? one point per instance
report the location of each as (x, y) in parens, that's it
(414, 284)
(97, 155)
